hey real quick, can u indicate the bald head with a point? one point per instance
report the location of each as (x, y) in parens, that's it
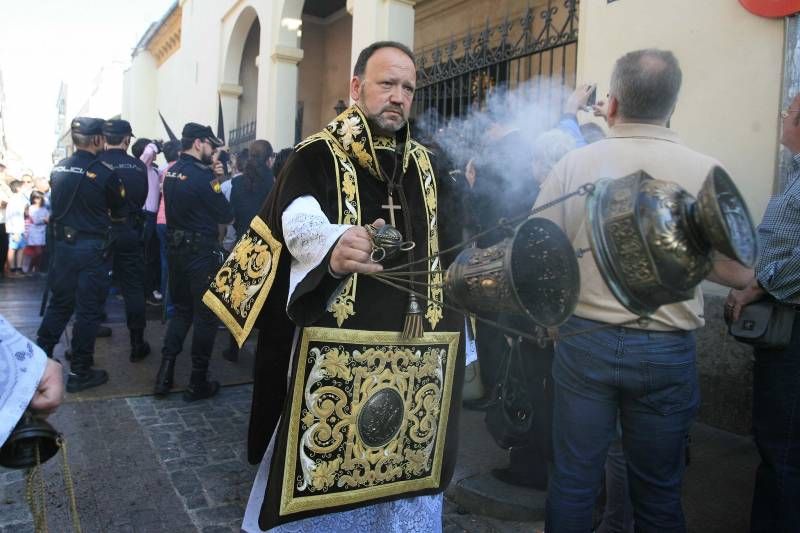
(645, 84)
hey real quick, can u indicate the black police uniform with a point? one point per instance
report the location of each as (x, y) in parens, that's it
(127, 249)
(194, 206)
(86, 195)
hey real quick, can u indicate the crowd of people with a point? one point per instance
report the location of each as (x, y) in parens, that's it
(24, 213)
(613, 404)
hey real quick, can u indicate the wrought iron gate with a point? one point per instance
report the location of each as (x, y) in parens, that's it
(241, 137)
(523, 52)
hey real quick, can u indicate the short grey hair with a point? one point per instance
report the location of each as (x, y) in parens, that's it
(361, 63)
(646, 84)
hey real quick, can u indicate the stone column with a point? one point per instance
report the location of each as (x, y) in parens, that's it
(277, 109)
(380, 20)
(140, 105)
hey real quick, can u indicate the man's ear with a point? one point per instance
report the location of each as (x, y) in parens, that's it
(613, 107)
(355, 88)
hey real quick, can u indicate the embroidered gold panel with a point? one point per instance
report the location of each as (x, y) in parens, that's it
(241, 286)
(343, 303)
(433, 311)
(352, 133)
(369, 416)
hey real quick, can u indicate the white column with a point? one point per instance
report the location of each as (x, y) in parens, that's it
(380, 20)
(140, 106)
(277, 109)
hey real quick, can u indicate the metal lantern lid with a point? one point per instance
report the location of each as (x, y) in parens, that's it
(722, 215)
(652, 241)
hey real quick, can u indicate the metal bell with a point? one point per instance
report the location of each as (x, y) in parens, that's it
(19, 451)
(652, 241)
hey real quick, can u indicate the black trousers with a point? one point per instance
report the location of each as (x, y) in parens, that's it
(191, 269)
(79, 283)
(129, 274)
(3, 248)
(776, 427)
(492, 348)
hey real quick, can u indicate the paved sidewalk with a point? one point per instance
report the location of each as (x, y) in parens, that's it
(147, 465)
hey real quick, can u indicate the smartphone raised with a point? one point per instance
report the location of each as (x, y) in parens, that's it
(592, 97)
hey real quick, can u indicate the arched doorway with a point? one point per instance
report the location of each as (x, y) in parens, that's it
(248, 77)
(239, 88)
(324, 72)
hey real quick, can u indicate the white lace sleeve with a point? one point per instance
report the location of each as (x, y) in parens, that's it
(309, 235)
(21, 367)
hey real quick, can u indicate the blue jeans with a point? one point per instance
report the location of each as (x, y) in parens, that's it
(650, 378)
(161, 232)
(79, 282)
(618, 514)
(151, 262)
(776, 427)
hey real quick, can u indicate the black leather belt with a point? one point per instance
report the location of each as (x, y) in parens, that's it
(179, 237)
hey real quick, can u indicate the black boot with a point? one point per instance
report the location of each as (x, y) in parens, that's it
(165, 377)
(82, 376)
(68, 356)
(199, 387)
(139, 347)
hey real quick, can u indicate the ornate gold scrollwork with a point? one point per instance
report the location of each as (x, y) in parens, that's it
(369, 416)
(241, 286)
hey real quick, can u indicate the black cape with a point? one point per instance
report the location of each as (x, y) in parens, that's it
(346, 170)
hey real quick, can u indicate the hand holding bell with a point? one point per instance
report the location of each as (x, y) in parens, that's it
(351, 254)
(387, 241)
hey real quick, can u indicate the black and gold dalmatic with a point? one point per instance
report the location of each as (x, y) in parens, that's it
(370, 414)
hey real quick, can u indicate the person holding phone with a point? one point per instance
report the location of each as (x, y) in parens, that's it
(582, 99)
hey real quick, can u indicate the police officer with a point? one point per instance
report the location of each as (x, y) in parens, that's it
(86, 196)
(195, 207)
(128, 252)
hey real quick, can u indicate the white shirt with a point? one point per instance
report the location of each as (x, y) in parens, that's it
(15, 213)
(22, 365)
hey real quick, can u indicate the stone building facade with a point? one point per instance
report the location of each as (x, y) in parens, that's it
(280, 67)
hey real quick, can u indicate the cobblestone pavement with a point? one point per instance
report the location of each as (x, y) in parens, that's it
(147, 465)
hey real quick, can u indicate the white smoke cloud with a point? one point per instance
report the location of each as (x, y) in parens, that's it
(531, 108)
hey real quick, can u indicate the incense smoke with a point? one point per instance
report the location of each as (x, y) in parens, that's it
(531, 109)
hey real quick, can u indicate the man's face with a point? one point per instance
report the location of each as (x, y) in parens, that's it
(790, 134)
(386, 90)
(206, 151)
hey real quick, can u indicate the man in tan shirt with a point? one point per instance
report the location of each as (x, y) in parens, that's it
(648, 375)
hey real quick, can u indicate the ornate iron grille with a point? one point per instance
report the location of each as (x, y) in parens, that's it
(531, 49)
(239, 138)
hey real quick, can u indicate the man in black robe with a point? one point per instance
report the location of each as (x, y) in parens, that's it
(368, 425)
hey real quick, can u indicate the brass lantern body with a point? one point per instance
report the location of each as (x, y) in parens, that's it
(533, 273)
